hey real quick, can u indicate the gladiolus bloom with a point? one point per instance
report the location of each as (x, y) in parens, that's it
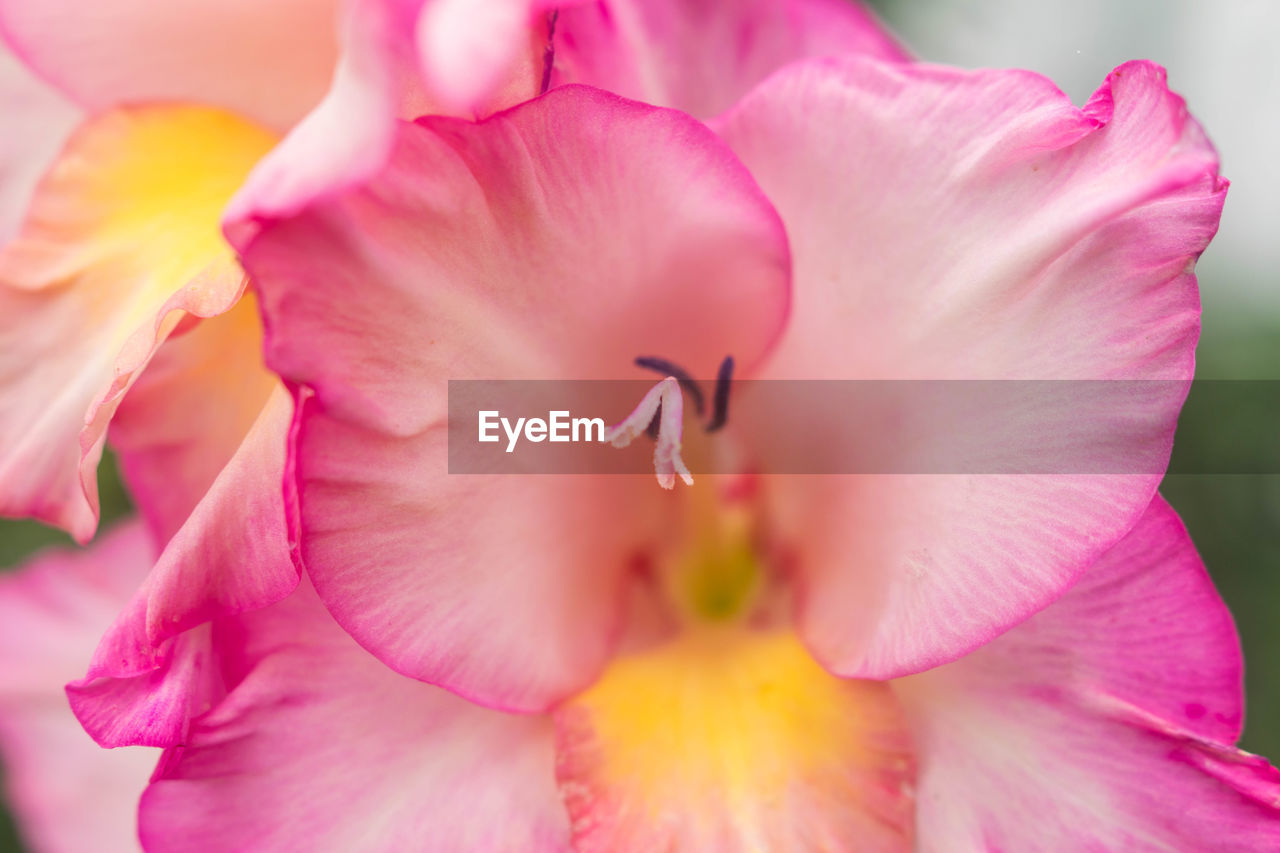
(641, 642)
(343, 645)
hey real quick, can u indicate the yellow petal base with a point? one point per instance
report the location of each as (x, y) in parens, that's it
(730, 740)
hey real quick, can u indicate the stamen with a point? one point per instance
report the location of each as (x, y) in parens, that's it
(665, 401)
(667, 368)
(720, 402)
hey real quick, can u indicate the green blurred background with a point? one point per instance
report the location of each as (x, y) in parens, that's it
(1220, 56)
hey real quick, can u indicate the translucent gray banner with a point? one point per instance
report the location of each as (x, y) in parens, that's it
(817, 427)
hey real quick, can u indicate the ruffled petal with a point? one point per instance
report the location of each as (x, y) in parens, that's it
(268, 61)
(66, 793)
(189, 412)
(122, 242)
(1103, 723)
(321, 747)
(233, 554)
(155, 707)
(975, 225)
(702, 57)
(1060, 240)
(558, 240)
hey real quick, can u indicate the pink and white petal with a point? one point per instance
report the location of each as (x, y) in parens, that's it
(491, 250)
(1060, 239)
(232, 555)
(102, 272)
(1101, 723)
(66, 793)
(38, 120)
(975, 225)
(1145, 626)
(320, 746)
(701, 57)
(188, 413)
(268, 61)
(1026, 777)
(506, 590)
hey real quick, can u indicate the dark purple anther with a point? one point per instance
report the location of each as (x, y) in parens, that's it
(720, 402)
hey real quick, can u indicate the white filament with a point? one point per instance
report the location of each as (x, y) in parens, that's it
(666, 452)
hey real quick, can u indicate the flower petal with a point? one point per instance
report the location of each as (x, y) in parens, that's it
(1143, 626)
(1098, 723)
(558, 240)
(466, 48)
(733, 741)
(232, 555)
(268, 61)
(348, 135)
(320, 746)
(1060, 239)
(399, 59)
(121, 241)
(38, 120)
(702, 57)
(66, 793)
(154, 708)
(189, 412)
(975, 225)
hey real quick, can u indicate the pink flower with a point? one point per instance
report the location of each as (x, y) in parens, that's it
(781, 662)
(940, 224)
